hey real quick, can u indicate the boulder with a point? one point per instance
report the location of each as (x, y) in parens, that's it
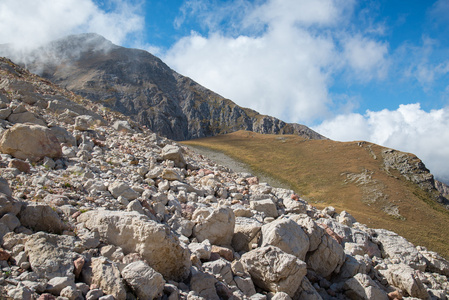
(171, 174)
(398, 248)
(57, 284)
(201, 250)
(26, 117)
(327, 258)
(145, 282)
(119, 188)
(41, 217)
(274, 270)
(9, 205)
(406, 279)
(11, 221)
(435, 263)
(120, 125)
(287, 235)
(106, 275)
(306, 291)
(295, 206)
(265, 206)
(63, 136)
(20, 165)
(220, 268)
(84, 122)
(134, 232)
(218, 227)
(246, 231)
(33, 142)
(203, 285)
(5, 113)
(174, 153)
(4, 187)
(51, 255)
(312, 229)
(362, 287)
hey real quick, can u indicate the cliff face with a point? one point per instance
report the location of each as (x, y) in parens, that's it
(140, 85)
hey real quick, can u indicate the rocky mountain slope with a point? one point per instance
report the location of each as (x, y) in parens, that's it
(141, 86)
(379, 186)
(93, 206)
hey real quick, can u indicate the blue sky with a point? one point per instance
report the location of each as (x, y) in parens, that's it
(352, 70)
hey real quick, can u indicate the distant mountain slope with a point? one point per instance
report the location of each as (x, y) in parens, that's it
(138, 84)
(380, 187)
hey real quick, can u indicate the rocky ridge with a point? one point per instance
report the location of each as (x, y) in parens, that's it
(141, 86)
(114, 211)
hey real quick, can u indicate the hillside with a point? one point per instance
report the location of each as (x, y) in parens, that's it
(380, 187)
(94, 206)
(140, 85)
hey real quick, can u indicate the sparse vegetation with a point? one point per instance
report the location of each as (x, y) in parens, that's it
(316, 170)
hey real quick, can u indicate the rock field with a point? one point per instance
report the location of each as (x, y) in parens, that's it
(93, 206)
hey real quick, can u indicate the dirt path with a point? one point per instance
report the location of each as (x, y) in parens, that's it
(237, 166)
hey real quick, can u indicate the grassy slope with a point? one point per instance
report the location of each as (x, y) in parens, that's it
(316, 169)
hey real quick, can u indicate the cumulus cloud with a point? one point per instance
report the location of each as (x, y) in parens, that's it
(31, 23)
(408, 128)
(279, 57)
(366, 57)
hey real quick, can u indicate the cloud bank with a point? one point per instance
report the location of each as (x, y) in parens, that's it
(408, 128)
(31, 23)
(278, 56)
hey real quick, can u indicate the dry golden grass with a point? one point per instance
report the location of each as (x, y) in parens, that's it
(316, 170)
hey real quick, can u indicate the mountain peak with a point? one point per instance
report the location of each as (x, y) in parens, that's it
(140, 85)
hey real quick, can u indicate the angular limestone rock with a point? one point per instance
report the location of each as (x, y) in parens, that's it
(406, 279)
(33, 142)
(246, 231)
(174, 153)
(41, 217)
(51, 255)
(361, 286)
(134, 232)
(397, 247)
(218, 227)
(287, 235)
(144, 280)
(274, 270)
(327, 258)
(106, 275)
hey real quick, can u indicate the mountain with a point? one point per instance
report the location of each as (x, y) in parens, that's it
(140, 85)
(93, 206)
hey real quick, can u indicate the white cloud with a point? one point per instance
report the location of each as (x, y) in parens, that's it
(409, 128)
(31, 23)
(302, 12)
(279, 80)
(282, 59)
(366, 57)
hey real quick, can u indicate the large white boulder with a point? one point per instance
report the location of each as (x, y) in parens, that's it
(28, 141)
(134, 232)
(398, 248)
(106, 275)
(144, 280)
(287, 235)
(362, 287)
(218, 227)
(327, 258)
(51, 255)
(406, 279)
(274, 270)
